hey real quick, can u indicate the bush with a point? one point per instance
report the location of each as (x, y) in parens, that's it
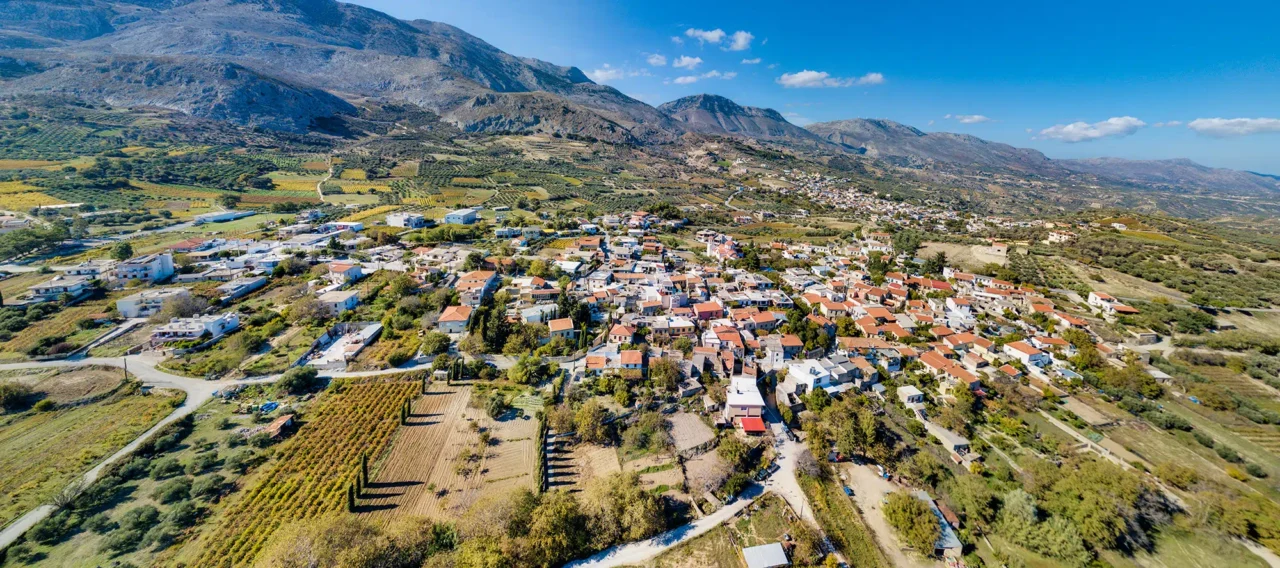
(202, 463)
(208, 486)
(240, 462)
(100, 524)
(45, 405)
(165, 468)
(136, 468)
(182, 515)
(140, 518)
(13, 395)
(260, 440)
(1204, 439)
(162, 536)
(1176, 475)
(736, 483)
(298, 380)
(53, 528)
(1227, 453)
(122, 541)
(172, 491)
(1255, 470)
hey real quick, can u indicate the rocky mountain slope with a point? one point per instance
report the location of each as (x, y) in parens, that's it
(906, 146)
(340, 48)
(713, 114)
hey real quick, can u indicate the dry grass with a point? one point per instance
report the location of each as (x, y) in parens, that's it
(20, 164)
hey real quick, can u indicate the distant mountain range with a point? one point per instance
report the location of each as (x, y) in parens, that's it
(285, 64)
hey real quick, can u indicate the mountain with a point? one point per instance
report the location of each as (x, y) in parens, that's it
(1175, 174)
(904, 145)
(340, 48)
(713, 114)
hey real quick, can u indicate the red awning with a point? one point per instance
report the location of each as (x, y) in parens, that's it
(752, 425)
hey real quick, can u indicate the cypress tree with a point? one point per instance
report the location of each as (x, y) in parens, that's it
(351, 499)
(364, 467)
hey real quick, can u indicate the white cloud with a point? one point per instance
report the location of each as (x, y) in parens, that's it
(796, 119)
(815, 79)
(1225, 127)
(1170, 124)
(686, 80)
(608, 73)
(686, 62)
(871, 79)
(706, 36)
(772, 66)
(605, 74)
(753, 61)
(740, 41)
(713, 74)
(969, 118)
(677, 40)
(1029, 131)
(1084, 132)
(657, 60)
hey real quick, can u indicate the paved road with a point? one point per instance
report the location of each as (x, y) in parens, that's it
(638, 552)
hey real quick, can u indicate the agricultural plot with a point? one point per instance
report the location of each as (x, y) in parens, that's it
(311, 472)
(42, 451)
(204, 456)
(586, 462)
(440, 465)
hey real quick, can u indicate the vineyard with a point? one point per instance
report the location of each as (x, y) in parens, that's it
(310, 473)
(25, 201)
(370, 212)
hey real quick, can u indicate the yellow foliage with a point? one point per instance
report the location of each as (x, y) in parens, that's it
(367, 213)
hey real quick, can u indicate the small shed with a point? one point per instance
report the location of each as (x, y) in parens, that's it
(766, 556)
(278, 426)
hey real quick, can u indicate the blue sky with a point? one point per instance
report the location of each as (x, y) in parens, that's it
(1132, 79)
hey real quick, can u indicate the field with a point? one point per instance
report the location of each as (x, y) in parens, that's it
(214, 424)
(842, 522)
(438, 467)
(310, 474)
(41, 452)
(590, 461)
(969, 257)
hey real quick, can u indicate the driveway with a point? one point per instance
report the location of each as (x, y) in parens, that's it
(868, 489)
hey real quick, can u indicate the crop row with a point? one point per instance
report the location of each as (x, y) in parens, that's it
(311, 473)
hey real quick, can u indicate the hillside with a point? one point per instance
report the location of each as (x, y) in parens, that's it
(713, 114)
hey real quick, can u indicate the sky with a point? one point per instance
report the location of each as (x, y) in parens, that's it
(1132, 78)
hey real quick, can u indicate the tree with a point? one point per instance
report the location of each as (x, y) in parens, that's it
(298, 380)
(307, 310)
(473, 261)
(734, 451)
(229, 200)
(618, 510)
(496, 405)
(122, 251)
(665, 374)
(914, 521)
(906, 242)
(974, 499)
(557, 532)
(13, 395)
(589, 422)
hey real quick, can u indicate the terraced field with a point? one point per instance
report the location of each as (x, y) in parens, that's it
(437, 466)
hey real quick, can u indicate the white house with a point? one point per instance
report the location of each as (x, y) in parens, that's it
(809, 374)
(1026, 353)
(95, 269)
(338, 301)
(465, 216)
(407, 220)
(454, 319)
(743, 399)
(184, 329)
(147, 268)
(147, 302)
(53, 289)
